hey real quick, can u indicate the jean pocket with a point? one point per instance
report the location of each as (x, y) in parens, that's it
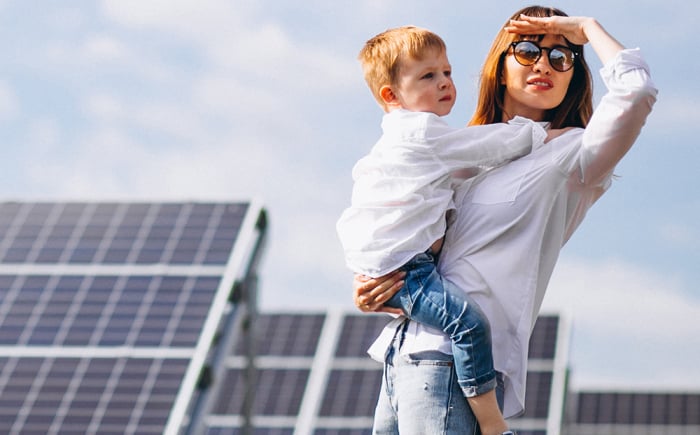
(430, 358)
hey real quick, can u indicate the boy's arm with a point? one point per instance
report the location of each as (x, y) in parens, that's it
(488, 145)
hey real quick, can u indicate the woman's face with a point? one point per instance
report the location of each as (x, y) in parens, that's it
(532, 90)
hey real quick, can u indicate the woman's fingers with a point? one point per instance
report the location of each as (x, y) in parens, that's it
(572, 28)
(371, 293)
(384, 291)
(362, 285)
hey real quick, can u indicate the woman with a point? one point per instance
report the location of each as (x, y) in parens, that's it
(510, 223)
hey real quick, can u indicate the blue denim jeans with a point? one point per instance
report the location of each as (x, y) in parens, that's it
(425, 298)
(420, 396)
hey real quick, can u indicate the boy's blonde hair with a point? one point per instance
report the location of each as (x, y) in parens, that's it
(381, 56)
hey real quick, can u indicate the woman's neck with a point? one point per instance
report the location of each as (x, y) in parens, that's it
(534, 115)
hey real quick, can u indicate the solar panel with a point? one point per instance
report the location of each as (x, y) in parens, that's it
(543, 341)
(281, 392)
(344, 384)
(119, 233)
(88, 395)
(109, 311)
(358, 333)
(634, 411)
(314, 376)
(286, 335)
(89, 310)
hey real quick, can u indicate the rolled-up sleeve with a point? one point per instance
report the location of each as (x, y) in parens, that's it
(618, 119)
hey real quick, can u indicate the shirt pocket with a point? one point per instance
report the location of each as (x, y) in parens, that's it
(503, 184)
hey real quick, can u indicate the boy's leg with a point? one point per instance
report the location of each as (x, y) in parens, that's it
(471, 347)
(426, 299)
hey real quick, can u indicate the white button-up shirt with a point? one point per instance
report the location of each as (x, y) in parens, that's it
(510, 223)
(403, 190)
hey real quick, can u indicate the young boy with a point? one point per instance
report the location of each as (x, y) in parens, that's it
(402, 194)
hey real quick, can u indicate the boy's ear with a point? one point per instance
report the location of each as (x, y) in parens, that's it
(388, 96)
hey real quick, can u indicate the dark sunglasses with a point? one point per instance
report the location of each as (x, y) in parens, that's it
(527, 53)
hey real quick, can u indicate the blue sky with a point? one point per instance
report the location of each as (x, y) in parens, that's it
(213, 99)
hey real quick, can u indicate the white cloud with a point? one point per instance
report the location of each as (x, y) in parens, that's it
(674, 111)
(226, 95)
(165, 13)
(239, 38)
(177, 120)
(104, 48)
(680, 234)
(196, 20)
(181, 122)
(100, 59)
(9, 104)
(44, 136)
(628, 323)
(103, 107)
(100, 165)
(598, 293)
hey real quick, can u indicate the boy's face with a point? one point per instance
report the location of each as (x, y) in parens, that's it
(426, 85)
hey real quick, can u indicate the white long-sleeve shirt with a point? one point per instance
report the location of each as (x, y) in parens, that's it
(402, 188)
(511, 223)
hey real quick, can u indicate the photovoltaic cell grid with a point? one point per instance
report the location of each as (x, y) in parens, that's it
(351, 393)
(285, 335)
(288, 344)
(279, 392)
(279, 388)
(256, 431)
(340, 432)
(118, 233)
(104, 310)
(87, 395)
(544, 338)
(91, 339)
(538, 394)
(642, 409)
(358, 333)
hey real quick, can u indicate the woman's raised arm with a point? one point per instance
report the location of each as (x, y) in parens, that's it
(618, 119)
